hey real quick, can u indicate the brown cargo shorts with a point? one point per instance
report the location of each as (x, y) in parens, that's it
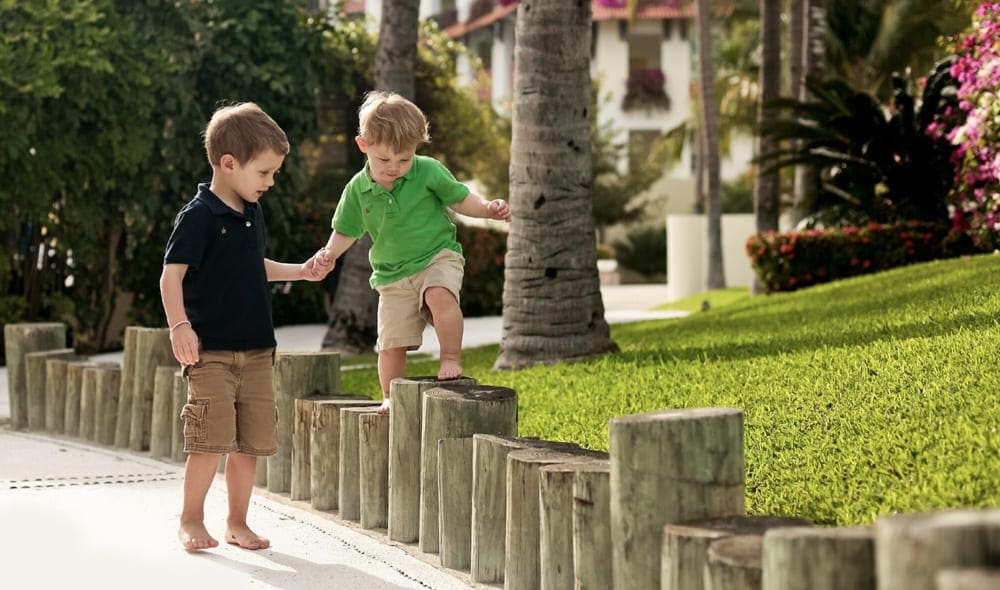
(230, 405)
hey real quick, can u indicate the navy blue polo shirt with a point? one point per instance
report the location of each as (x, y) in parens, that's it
(226, 293)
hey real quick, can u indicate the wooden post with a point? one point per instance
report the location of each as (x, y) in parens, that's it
(969, 579)
(152, 350)
(260, 473)
(489, 500)
(373, 463)
(668, 467)
(123, 423)
(161, 432)
(19, 340)
(349, 476)
(55, 393)
(406, 411)
(455, 502)
(87, 429)
(823, 558)
(300, 483)
(107, 385)
(911, 548)
(592, 525)
(555, 530)
(297, 374)
(324, 451)
(180, 393)
(74, 394)
(685, 545)
(454, 411)
(35, 375)
(734, 563)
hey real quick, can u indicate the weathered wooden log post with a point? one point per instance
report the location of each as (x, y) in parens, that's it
(152, 350)
(406, 413)
(74, 393)
(734, 563)
(969, 579)
(324, 450)
(35, 376)
(55, 393)
(489, 500)
(823, 558)
(123, 424)
(177, 424)
(555, 530)
(592, 525)
(297, 374)
(911, 548)
(107, 385)
(373, 465)
(19, 340)
(522, 539)
(455, 502)
(668, 467)
(685, 545)
(89, 392)
(349, 476)
(300, 482)
(455, 411)
(161, 432)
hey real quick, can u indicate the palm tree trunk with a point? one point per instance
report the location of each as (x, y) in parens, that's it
(552, 307)
(716, 276)
(766, 188)
(353, 325)
(813, 66)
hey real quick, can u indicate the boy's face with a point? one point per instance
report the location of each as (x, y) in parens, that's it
(385, 164)
(251, 180)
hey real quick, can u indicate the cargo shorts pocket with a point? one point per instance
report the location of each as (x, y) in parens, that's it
(194, 416)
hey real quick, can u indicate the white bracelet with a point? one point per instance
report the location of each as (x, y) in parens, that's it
(179, 324)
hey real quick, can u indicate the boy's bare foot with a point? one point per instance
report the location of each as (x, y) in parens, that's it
(384, 408)
(449, 370)
(194, 537)
(242, 535)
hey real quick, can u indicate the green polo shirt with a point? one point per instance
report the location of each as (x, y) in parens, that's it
(408, 224)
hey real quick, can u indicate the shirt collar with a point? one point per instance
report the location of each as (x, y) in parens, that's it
(215, 204)
(367, 184)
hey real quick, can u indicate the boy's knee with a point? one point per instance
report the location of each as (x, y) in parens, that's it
(436, 297)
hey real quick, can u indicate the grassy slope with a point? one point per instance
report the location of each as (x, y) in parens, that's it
(863, 397)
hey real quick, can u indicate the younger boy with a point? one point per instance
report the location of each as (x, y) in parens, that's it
(400, 198)
(216, 296)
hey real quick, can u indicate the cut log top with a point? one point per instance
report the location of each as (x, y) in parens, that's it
(33, 325)
(677, 415)
(742, 551)
(471, 393)
(598, 464)
(854, 533)
(434, 379)
(726, 526)
(553, 454)
(946, 519)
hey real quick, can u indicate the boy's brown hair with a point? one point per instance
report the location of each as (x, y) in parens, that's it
(386, 118)
(244, 131)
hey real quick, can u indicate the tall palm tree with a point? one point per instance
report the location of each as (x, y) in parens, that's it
(353, 324)
(716, 276)
(815, 40)
(766, 185)
(552, 307)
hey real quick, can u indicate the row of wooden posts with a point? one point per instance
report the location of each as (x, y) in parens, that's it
(445, 469)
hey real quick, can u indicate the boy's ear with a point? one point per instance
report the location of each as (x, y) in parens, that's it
(227, 162)
(361, 144)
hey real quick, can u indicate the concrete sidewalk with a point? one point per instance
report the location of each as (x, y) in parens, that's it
(95, 516)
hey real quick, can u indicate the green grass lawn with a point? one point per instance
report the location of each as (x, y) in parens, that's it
(863, 397)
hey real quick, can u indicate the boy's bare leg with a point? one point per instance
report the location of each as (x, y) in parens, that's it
(199, 471)
(391, 364)
(240, 471)
(448, 325)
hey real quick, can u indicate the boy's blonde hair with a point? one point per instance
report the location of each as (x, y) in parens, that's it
(244, 131)
(388, 119)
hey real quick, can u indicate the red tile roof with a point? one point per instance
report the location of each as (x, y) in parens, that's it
(498, 12)
(651, 10)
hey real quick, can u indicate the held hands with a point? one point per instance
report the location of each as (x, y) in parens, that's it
(498, 209)
(318, 266)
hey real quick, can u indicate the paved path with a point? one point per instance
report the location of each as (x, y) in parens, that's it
(91, 516)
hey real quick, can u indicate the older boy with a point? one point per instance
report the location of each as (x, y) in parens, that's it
(216, 296)
(400, 200)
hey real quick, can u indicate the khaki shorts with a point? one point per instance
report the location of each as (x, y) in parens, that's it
(230, 406)
(402, 314)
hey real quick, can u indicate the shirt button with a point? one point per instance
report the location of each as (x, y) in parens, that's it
(390, 201)
(248, 223)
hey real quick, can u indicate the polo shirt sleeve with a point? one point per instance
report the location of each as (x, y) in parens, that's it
(347, 217)
(187, 242)
(443, 185)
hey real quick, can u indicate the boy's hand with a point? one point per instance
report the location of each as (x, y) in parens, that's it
(184, 343)
(317, 267)
(499, 210)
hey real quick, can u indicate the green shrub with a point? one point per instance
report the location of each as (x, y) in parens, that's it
(790, 260)
(644, 251)
(482, 288)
